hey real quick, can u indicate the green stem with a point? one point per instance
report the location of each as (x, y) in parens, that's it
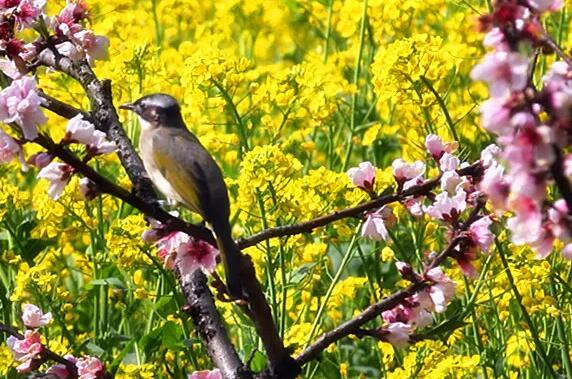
(562, 336)
(269, 265)
(443, 106)
(349, 142)
(347, 257)
(241, 127)
(531, 326)
(328, 31)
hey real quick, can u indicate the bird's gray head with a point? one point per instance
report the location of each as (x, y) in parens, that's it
(157, 110)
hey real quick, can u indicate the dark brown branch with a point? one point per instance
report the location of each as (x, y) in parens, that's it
(60, 108)
(353, 326)
(201, 307)
(47, 354)
(104, 185)
(105, 118)
(554, 47)
(474, 170)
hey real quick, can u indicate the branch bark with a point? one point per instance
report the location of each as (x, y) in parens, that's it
(201, 307)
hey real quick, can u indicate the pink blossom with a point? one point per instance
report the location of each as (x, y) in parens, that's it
(465, 259)
(93, 46)
(481, 234)
(414, 206)
(167, 247)
(546, 5)
(495, 186)
(436, 147)
(73, 12)
(9, 148)
(567, 251)
(363, 176)
(403, 171)
(447, 208)
(157, 232)
(495, 38)
(40, 160)
(69, 49)
(83, 131)
(526, 225)
(544, 243)
(503, 71)
(89, 368)
(213, 374)
(442, 290)
(451, 182)
(58, 174)
(9, 68)
(60, 370)
(495, 116)
(409, 312)
(87, 189)
(187, 254)
(33, 317)
(558, 215)
(26, 350)
(396, 333)
(448, 162)
(28, 12)
(20, 103)
(526, 184)
(68, 21)
(490, 155)
(196, 254)
(83, 44)
(374, 225)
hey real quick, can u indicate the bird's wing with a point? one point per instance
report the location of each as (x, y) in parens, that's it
(178, 158)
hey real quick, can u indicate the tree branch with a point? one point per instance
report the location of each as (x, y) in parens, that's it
(475, 170)
(201, 307)
(60, 108)
(105, 118)
(353, 326)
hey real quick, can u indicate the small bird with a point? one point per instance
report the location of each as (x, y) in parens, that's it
(183, 170)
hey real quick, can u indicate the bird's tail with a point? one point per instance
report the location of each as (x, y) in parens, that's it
(231, 257)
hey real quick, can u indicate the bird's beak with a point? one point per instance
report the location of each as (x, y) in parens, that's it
(128, 106)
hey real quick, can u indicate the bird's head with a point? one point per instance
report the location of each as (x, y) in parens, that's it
(157, 110)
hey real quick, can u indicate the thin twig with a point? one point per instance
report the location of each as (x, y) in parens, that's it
(475, 170)
(353, 326)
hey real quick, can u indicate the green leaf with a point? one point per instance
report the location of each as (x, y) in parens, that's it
(112, 282)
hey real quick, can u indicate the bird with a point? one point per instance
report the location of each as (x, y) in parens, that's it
(183, 170)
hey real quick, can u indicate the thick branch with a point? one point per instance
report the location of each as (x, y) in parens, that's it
(104, 117)
(201, 307)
